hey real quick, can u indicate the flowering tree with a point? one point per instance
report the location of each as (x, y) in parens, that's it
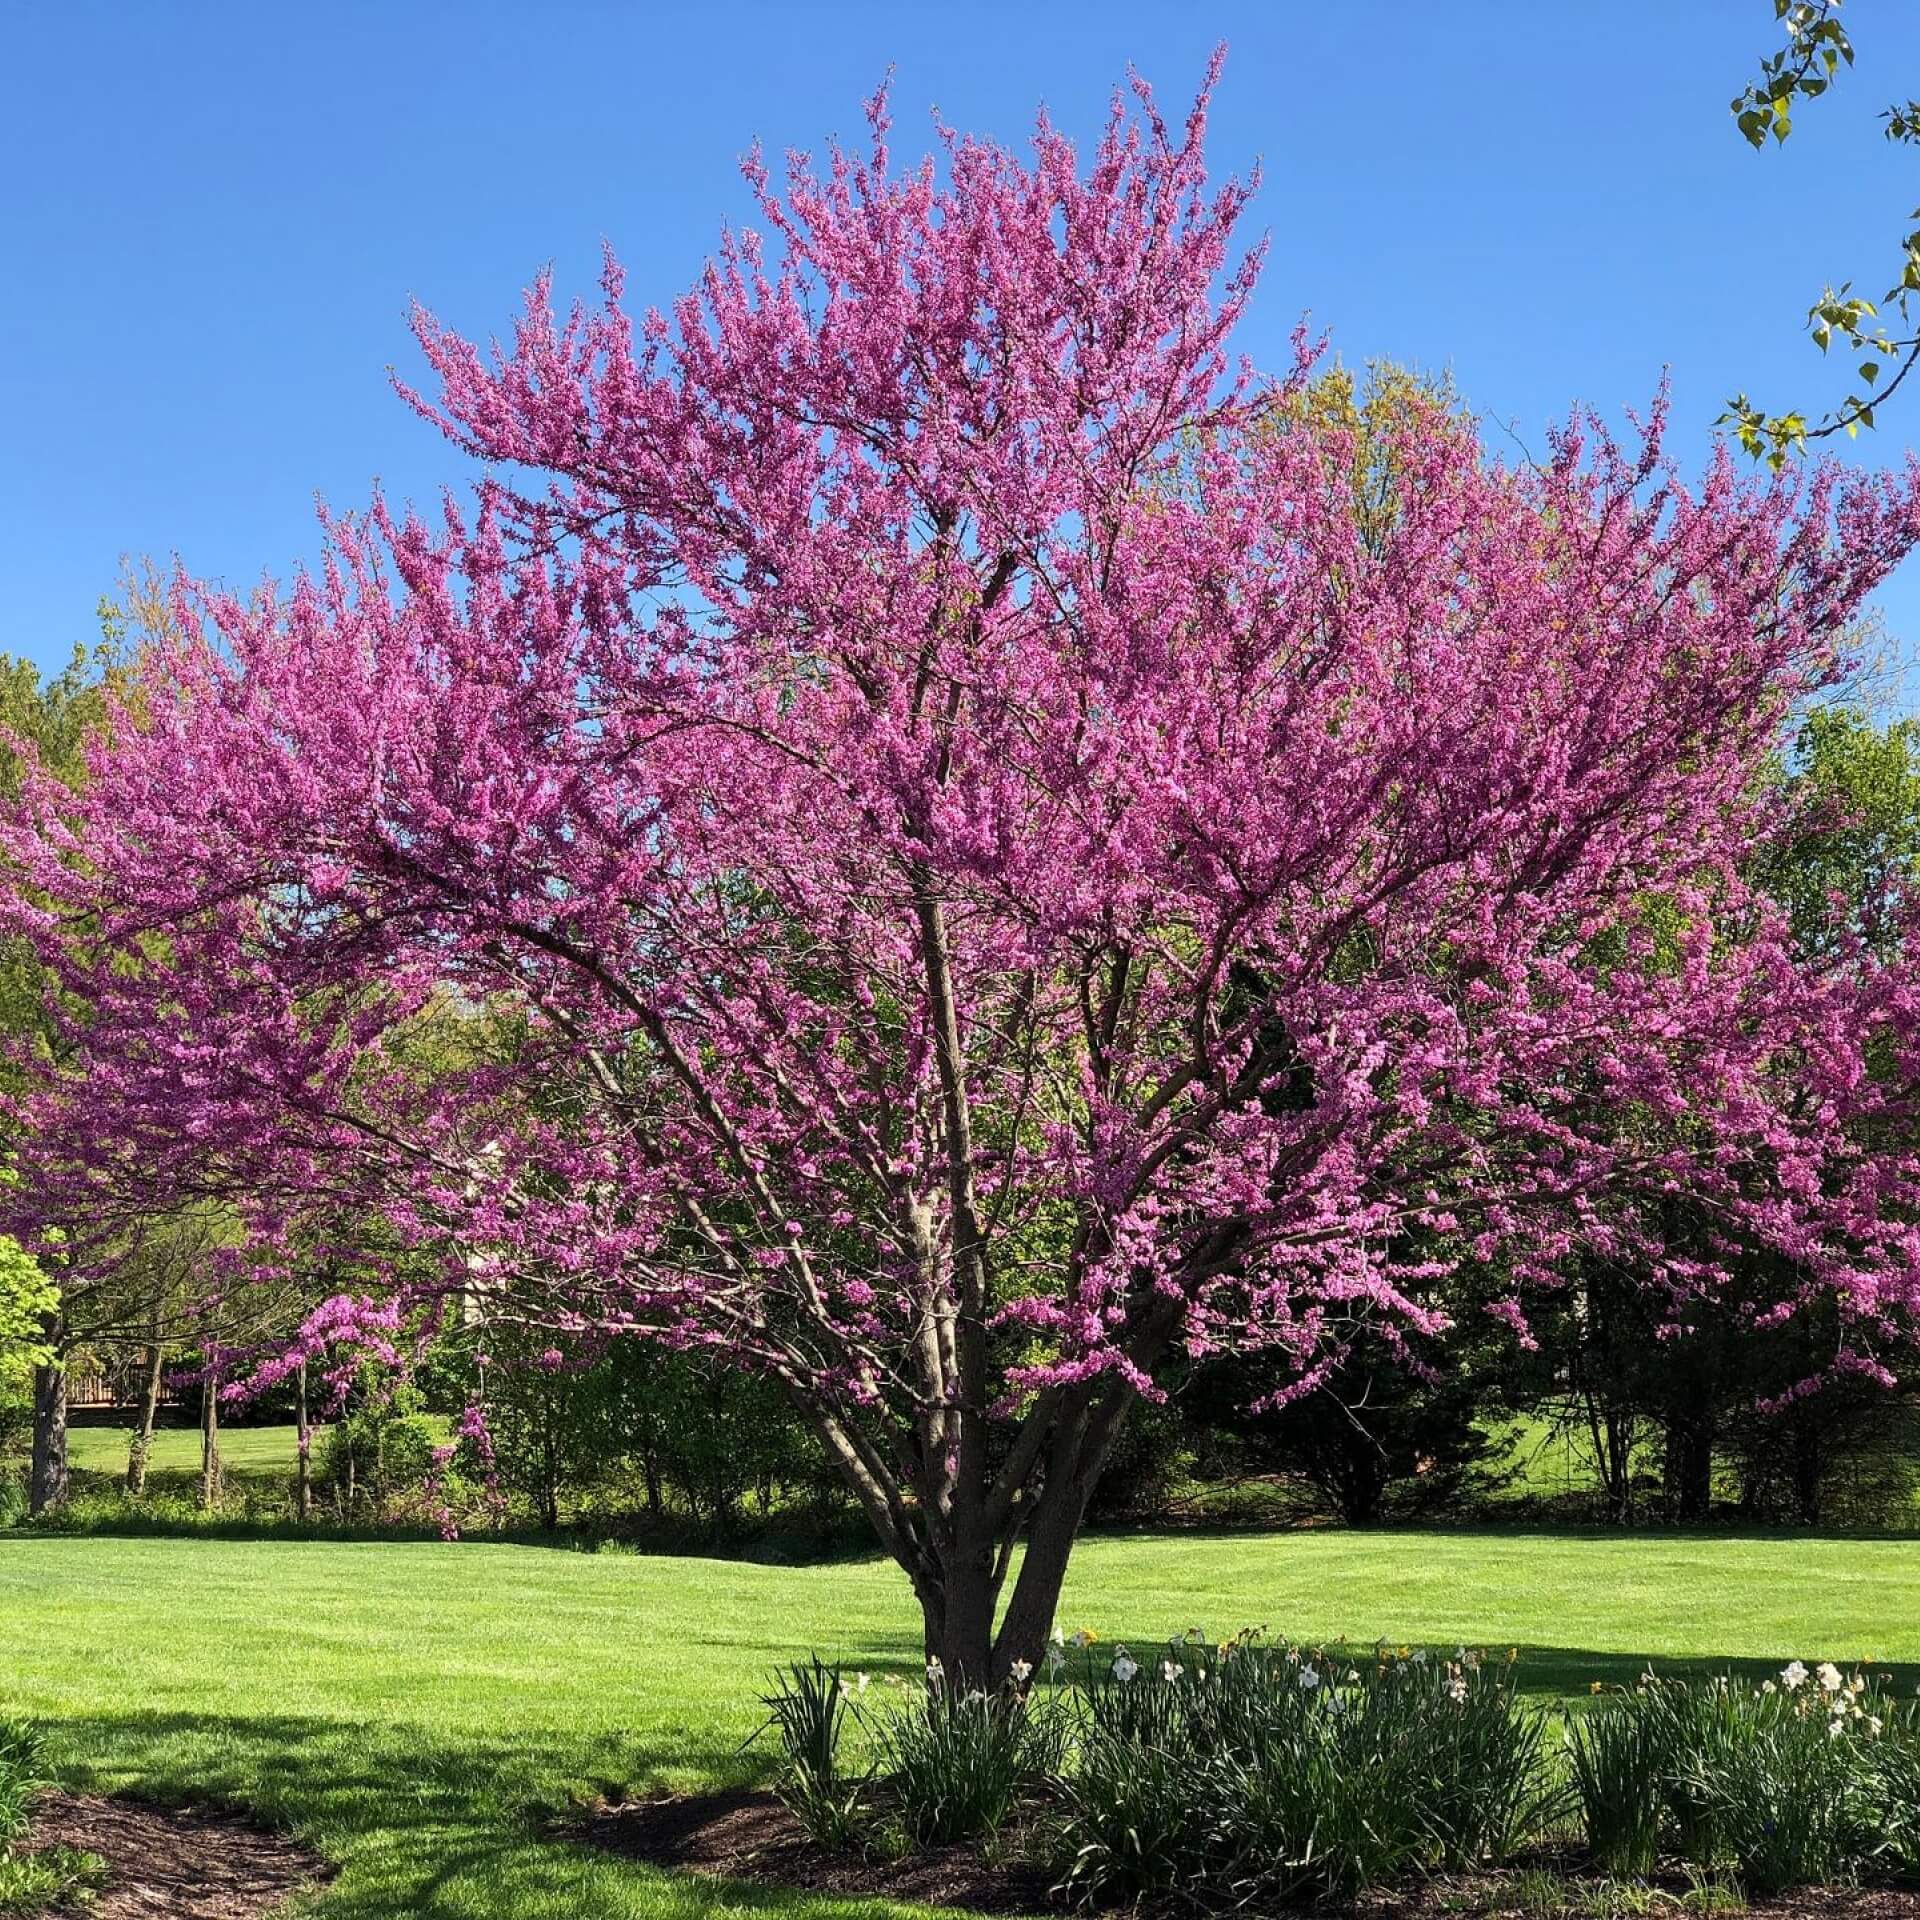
(947, 851)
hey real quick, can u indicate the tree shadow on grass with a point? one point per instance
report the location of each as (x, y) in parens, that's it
(418, 1824)
(1551, 1672)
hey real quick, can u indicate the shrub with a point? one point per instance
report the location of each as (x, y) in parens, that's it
(373, 1456)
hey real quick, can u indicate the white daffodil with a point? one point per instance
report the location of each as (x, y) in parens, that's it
(1124, 1666)
(1793, 1676)
(1021, 1671)
(1829, 1676)
(1308, 1679)
(1170, 1671)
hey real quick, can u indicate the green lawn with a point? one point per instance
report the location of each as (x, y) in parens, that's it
(407, 1708)
(269, 1452)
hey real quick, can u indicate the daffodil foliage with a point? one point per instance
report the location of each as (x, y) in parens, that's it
(935, 835)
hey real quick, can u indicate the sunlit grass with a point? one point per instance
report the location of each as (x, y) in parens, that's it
(243, 1450)
(416, 1711)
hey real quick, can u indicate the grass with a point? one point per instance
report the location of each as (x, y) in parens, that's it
(410, 1709)
(265, 1452)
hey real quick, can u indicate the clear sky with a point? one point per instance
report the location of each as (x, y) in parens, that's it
(212, 218)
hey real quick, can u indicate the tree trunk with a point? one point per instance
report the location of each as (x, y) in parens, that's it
(1689, 1469)
(210, 1443)
(47, 1485)
(303, 1437)
(1808, 1473)
(958, 1613)
(141, 1448)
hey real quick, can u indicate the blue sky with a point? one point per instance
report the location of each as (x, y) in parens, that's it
(213, 218)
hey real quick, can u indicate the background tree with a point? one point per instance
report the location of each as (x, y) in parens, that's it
(1883, 337)
(1383, 1431)
(1006, 879)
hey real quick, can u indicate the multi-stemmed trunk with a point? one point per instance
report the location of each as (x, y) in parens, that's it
(956, 1528)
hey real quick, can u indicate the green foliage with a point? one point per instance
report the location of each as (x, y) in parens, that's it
(1896, 1789)
(1852, 845)
(637, 1431)
(378, 1455)
(1617, 1765)
(1785, 1798)
(807, 1709)
(956, 1761)
(1255, 1774)
(20, 1748)
(1376, 1436)
(1817, 48)
(28, 1300)
(1799, 1782)
(48, 1880)
(36, 1881)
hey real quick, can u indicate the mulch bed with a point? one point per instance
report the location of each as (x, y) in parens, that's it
(750, 1836)
(191, 1863)
(746, 1835)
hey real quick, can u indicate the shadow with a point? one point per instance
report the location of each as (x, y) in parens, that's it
(104, 1516)
(414, 1825)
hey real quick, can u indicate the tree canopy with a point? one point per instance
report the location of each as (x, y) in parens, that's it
(975, 855)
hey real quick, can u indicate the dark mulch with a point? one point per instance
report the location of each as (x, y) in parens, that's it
(746, 1835)
(184, 1864)
(750, 1836)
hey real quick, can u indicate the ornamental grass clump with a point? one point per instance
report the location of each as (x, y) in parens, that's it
(807, 1708)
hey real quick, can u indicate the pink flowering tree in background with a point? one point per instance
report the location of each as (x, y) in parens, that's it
(921, 838)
